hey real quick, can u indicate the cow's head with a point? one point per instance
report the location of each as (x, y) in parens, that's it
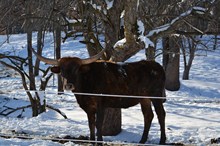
(68, 67)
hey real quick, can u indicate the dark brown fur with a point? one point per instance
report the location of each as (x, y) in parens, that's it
(143, 78)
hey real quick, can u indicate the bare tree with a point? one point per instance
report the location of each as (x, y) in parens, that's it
(191, 45)
(33, 19)
(171, 60)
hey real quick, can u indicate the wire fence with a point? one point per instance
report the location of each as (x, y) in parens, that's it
(81, 141)
(197, 99)
(69, 93)
(101, 94)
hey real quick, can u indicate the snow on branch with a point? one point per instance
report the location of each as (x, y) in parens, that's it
(73, 21)
(120, 43)
(103, 8)
(170, 27)
(109, 4)
(143, 38)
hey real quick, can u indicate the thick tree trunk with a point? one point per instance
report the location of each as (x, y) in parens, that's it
(150, 53)
(132, 46)
(112, 120)
(171, 63)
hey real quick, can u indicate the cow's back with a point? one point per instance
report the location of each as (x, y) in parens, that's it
(137, 78)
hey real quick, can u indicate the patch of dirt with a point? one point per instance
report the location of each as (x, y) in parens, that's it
(215, 141)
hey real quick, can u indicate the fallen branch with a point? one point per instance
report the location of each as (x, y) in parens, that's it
(62, 140)
(12, 110)
(57, 110)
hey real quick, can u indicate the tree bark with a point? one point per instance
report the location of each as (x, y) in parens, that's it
(150, 53)
(186, 73)
(171, 63)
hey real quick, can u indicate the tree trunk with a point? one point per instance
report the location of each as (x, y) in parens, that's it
(57, 45)
(150, 53)
(215, 42)
(30, 63)
(132, 45)
(34, 102)
(165, 43)
(39, 51)
(28, 27)
(187, 65)
(186, 73)
(112, 120)
(171, 63)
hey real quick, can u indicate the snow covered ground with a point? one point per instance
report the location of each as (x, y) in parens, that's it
(193, 112)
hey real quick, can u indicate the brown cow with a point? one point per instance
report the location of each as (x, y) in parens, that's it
(143, 78)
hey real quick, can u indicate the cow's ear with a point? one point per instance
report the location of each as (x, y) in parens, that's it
(55, 69)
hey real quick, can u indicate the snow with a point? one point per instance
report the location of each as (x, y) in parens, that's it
(120, 43)
(200, 10)
(142, 37)
(192, 113)
(73, 20)
(158, 30)
(146, 41)
(138, 2)
(109, 4)
(140, 27)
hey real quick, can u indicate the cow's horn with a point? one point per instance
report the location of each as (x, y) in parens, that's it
(93, 58)
(46, 60)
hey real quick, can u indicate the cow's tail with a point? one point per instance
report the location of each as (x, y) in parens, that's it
(164, 95)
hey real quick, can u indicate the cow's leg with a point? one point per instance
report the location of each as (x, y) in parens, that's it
(148, 117)
(91, 120)
(158, 105)
(99, 123)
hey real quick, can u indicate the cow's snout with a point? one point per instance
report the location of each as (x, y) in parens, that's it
(69, 86)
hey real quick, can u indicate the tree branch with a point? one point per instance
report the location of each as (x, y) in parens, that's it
(57, 110)
(170, 28)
